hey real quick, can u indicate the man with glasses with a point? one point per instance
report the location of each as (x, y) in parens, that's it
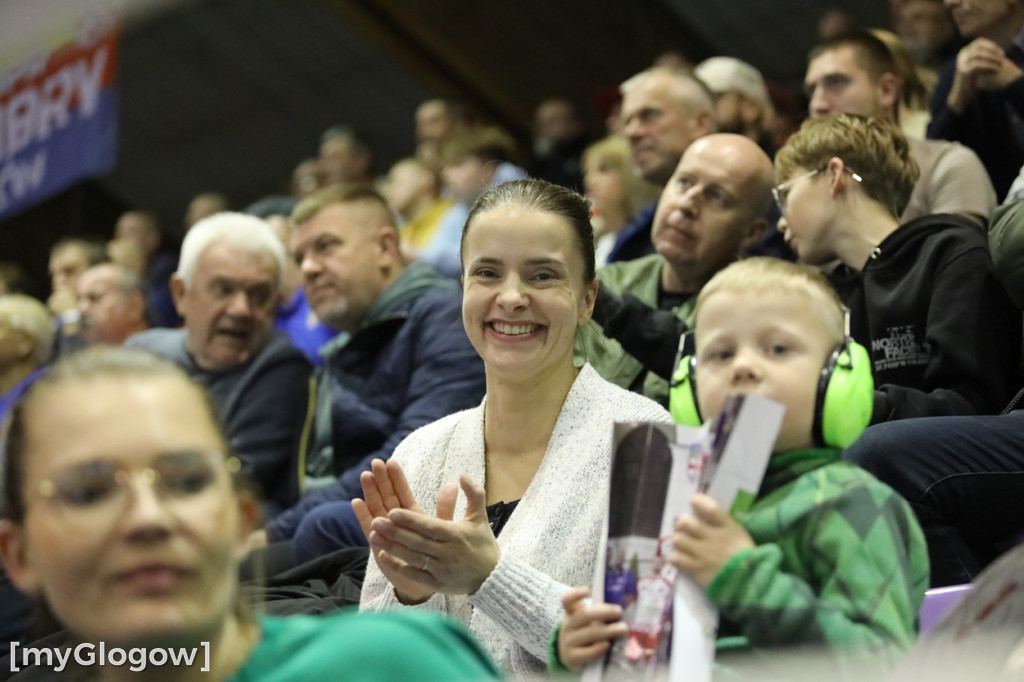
(924, 299)
(227, 290)
(855, 74)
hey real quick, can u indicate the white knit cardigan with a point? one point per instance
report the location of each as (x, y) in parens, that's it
(549, 543)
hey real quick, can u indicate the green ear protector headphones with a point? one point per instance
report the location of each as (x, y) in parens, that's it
(842, 408)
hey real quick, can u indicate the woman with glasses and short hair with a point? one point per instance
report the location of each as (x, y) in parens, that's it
(124, 519)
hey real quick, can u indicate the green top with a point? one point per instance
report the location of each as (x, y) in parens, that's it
(840, 561)
(642, 278)
(368, 647)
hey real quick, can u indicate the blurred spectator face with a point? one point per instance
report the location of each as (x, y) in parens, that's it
(673, 59)
(25, 334)
(135, 226)
(407, 182)
(659, 126)
(979, 17)
(13, 279)
(433, 124)
(836, 84)
(729, 112)
(109, 314)
(228, 306)
(306, 178)
(835, 23)
(341, 162)
(468, 177)
(555, 121)
(602, 180)
(924, 26)
(203, 206)
(15, 344)
(102, 565)
(66, 266)
(127, 253)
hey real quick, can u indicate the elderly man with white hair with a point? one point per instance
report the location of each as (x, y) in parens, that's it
(227, 290)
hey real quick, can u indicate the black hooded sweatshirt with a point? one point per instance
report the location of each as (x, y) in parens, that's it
(943, 336)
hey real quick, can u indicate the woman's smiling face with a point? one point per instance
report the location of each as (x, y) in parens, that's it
(524, 290)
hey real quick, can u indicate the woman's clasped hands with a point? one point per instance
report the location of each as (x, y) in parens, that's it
(422, 554)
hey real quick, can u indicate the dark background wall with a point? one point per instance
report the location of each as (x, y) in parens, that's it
(230, 95)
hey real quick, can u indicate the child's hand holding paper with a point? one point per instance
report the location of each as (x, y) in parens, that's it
(703, 542)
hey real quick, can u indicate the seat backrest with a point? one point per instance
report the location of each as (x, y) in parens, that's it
(937, 601)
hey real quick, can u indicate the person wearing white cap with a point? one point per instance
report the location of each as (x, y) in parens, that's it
(742, 104)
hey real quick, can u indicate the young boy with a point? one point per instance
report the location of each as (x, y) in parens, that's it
(827, 555)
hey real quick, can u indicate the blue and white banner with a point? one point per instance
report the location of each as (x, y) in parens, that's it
(59, 115)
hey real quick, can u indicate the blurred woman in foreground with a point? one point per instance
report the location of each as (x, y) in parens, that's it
(123, 517)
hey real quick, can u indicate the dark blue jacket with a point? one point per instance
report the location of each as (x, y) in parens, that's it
(410, 363)
(634, 240)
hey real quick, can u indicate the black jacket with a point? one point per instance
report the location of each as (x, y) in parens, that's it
(943, 336)
(941, 331)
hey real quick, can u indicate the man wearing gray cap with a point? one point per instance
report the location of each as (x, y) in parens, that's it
(742, 104)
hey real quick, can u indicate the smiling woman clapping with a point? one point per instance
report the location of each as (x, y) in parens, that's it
(532, 460)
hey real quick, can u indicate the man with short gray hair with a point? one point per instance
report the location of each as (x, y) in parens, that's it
(663, 112)
(227, 289)
(402, 361)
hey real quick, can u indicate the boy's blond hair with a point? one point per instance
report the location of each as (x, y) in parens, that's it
(874, 148)
(764, 275)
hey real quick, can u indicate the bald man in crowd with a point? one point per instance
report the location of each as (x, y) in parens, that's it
(712, 209)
